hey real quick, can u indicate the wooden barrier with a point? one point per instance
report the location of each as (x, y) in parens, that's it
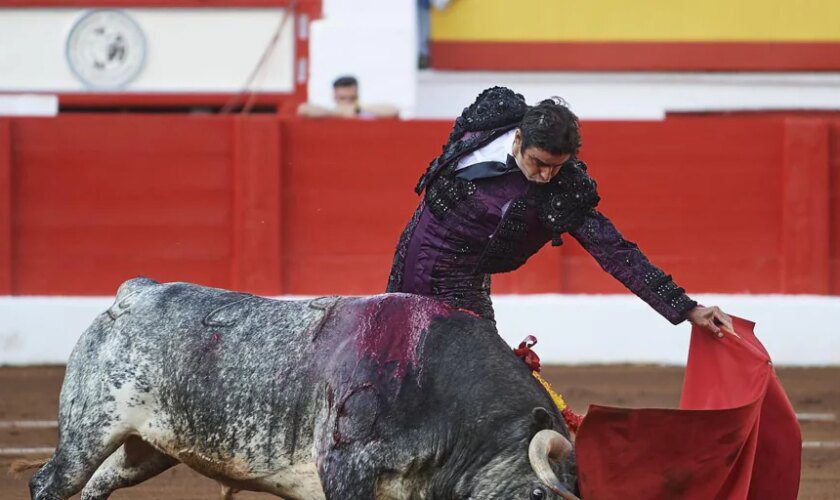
(735, 204)
(101, 198)
(348, 191)
(256, 238)
(5, 208)
(805, 207)
(834, 206)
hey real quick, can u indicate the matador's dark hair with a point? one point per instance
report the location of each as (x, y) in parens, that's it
(551, 125)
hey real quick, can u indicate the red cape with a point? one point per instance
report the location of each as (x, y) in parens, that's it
(734, 437)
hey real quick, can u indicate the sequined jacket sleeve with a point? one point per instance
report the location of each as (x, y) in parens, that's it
(624, 260)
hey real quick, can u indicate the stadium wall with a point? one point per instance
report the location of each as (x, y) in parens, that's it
(742, 204)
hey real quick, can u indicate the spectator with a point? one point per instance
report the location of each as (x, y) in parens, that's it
(346, 97)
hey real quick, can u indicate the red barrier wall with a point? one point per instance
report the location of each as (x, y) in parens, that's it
(743, 203)
(98, 199)
(348, 190)
(700, 196)
(834, 205)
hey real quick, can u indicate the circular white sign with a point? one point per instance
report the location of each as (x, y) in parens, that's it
(106, 49)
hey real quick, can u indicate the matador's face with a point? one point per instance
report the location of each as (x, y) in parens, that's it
(537, 164)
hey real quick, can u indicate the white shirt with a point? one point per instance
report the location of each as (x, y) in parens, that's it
(497, 150)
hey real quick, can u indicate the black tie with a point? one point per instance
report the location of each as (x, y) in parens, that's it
(487, 169)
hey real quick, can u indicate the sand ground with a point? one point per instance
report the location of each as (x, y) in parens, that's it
(32, 394)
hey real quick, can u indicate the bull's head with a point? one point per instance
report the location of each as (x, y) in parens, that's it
(534, 463)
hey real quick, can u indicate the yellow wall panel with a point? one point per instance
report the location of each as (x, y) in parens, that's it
(643, 21)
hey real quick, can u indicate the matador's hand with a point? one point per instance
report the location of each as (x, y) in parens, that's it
(712, 319)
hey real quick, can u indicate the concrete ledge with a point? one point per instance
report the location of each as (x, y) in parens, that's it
(572, 329)
(633, 95)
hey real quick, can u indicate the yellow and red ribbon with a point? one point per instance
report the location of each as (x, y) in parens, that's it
(524, 352)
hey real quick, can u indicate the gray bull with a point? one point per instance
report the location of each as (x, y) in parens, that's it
(392, 396)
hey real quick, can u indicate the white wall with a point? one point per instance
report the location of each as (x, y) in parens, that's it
(374, 40)
(637, 96)
(799, 330)
(188, 50)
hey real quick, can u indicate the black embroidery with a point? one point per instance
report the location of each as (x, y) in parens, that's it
(494, 107)
(395, 278)
(503, 250)
(464, 292)
(495, 111)
(624, 260)
(664, 287)
(457, 245)
(683, 304)
(564, 202)
(447, 193)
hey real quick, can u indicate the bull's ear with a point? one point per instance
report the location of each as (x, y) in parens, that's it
(541, 419)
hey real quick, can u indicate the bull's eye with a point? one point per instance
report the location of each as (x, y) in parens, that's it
(537, 494)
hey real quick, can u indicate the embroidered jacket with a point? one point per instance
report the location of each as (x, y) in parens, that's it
(465, 230)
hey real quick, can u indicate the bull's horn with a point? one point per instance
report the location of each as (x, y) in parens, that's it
(549, 445)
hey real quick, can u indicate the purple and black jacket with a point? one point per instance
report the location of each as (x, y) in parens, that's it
(467, 228)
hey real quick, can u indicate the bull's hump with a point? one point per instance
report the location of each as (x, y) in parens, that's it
(134, 285)
(128, 293)
(389, 329)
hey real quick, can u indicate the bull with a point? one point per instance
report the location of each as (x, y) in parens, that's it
(393, 396)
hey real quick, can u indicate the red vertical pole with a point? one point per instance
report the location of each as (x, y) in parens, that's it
(255, 263)
(559, 276)
(805, 207)
(5, 207)
(305, 12)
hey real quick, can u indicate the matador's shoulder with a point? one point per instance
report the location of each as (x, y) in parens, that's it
(493, 108)
(564, 202)
(495, 111)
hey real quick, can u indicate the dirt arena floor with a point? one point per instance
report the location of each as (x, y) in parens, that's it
(32, 394)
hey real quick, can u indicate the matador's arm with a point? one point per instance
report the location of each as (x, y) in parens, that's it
(624, 260)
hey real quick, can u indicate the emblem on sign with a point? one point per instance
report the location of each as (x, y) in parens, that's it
(106, 49)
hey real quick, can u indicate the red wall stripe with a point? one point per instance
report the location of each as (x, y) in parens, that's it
(174, 99)
(636, 56)
(87, 4)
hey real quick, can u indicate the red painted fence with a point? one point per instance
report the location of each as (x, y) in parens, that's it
(740, 203)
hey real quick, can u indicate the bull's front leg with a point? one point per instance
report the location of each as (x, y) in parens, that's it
(349, 472)
(226, 492)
